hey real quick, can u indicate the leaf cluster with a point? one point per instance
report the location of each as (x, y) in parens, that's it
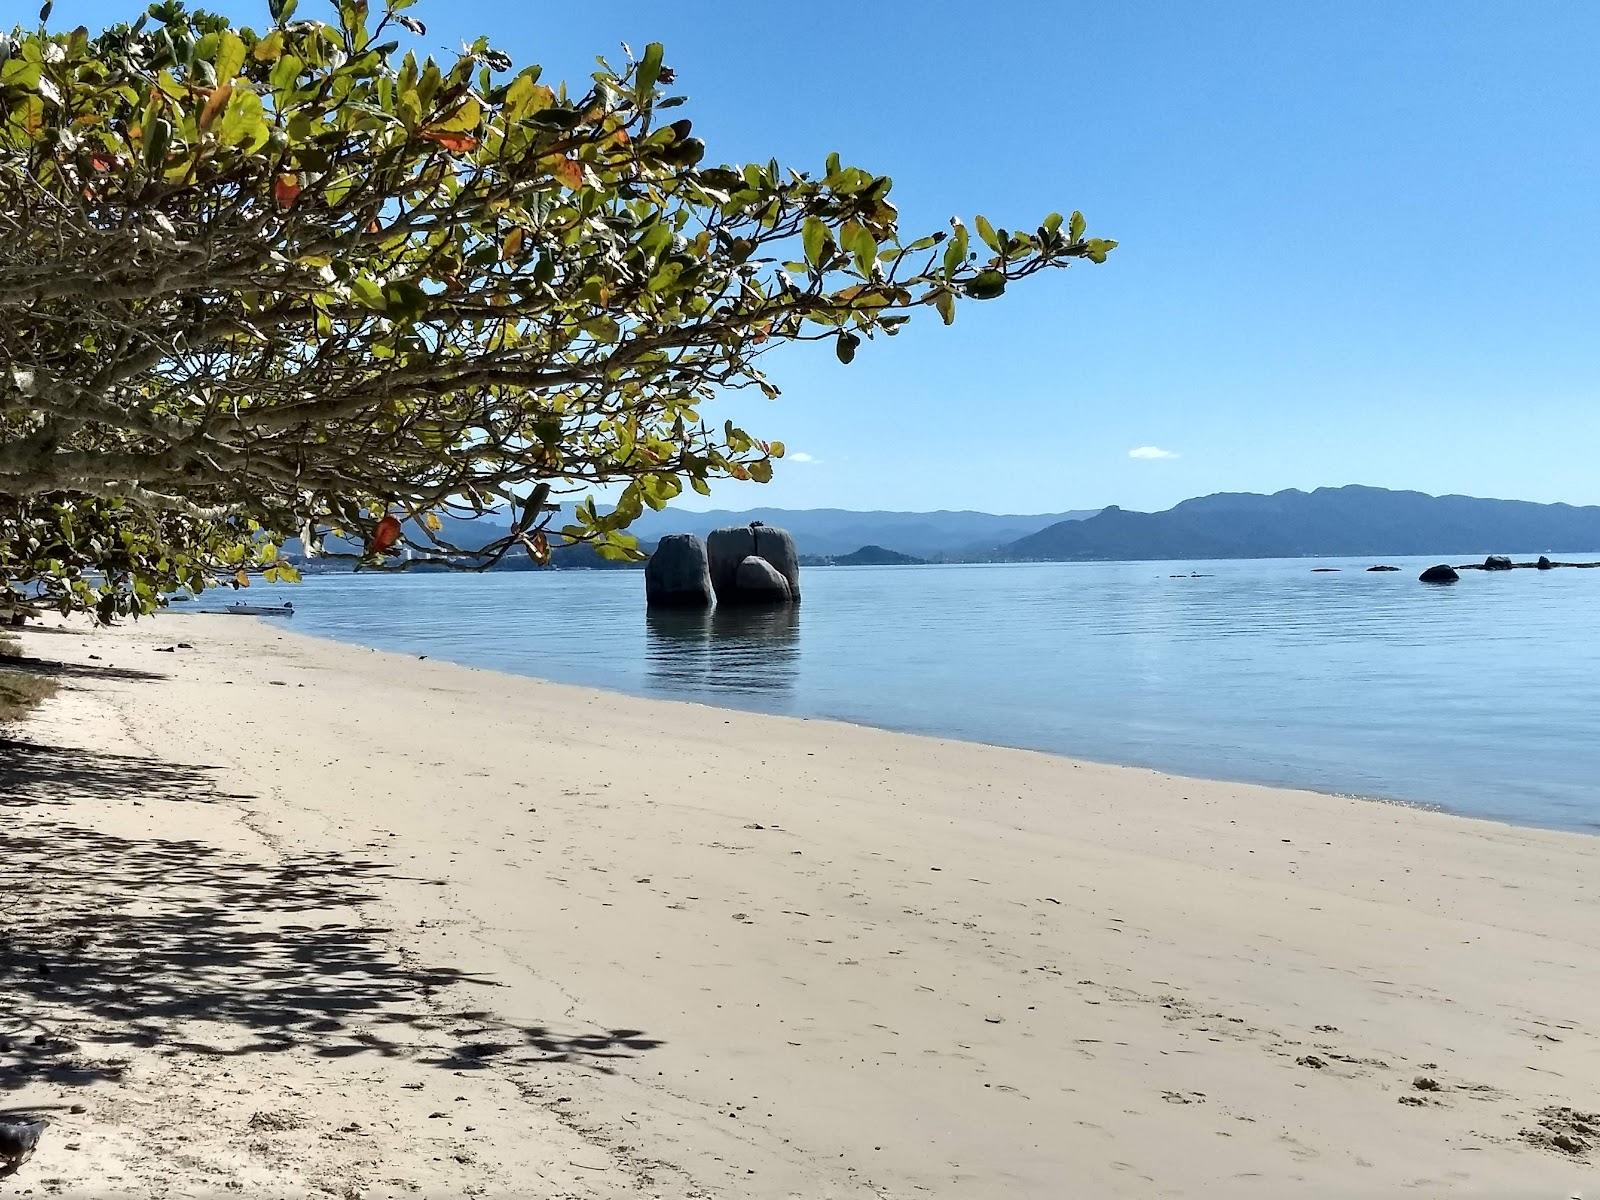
(292, 280)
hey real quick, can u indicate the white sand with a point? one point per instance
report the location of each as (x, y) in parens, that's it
(858, 964)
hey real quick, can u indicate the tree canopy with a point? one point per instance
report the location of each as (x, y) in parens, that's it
(296, 281)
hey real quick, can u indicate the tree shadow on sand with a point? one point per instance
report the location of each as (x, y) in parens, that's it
(50, 669)
(32, 774)
(173, 943)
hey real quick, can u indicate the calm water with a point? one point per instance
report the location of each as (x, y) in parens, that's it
(1483, 697)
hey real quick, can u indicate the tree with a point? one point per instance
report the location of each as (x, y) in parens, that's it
(257, 285)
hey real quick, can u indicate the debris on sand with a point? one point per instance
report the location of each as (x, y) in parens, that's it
(19, 1138)
(1564, 1129)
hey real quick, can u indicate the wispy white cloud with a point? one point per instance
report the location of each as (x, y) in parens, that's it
(799, 456)
(1151, 452)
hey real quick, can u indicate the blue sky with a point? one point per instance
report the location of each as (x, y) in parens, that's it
(1360, 242)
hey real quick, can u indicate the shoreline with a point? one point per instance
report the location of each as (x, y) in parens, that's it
(1591, 829)
(633, 947)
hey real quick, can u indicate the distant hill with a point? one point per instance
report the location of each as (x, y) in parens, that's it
(1335, 522)
(867, 556)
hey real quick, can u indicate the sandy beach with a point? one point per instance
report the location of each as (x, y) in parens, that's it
(285, 917)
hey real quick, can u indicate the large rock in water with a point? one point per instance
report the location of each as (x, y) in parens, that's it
(678, 574)
(730, 546)
(759, 582)
(1443, 573)
(1544, 563)
(1497, 562)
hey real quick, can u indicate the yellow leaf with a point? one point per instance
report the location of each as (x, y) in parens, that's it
(270, 48)
(464, 118)
(230, 55)
(527, 96)
(512, 246)
(431, 520)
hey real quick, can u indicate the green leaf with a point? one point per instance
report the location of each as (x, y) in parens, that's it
(946, 304)
(649, 69)
(956, 252)
(845, 347)
(1052, 222)
(1098, 248)
(157, 137)
(990, 238)
(405, 300)
(986, 285)
(244, 123)
(1076, 227)
(814, 236)
(862, 245)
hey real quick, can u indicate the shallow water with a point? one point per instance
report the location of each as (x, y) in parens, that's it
(1482, 697)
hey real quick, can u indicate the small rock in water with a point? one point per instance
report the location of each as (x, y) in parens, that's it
(1424, 1083)
(1311, 1060)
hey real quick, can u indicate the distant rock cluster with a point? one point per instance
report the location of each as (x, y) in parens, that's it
(738, 564)
(1445, 573)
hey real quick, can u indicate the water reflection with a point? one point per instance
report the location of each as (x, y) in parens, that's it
(724, 650)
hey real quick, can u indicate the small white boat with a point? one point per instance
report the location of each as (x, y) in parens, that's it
(286, 609)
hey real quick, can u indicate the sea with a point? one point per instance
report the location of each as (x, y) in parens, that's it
(1481, 697)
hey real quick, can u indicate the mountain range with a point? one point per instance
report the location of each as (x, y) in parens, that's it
(1347, 521)
(1334, 522)
(822, 532)
(836, 531)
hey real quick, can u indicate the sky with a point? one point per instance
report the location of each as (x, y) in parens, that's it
(1360, 242)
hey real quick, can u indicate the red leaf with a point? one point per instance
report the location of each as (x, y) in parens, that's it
(286, 190)
(104, 162)
(451, 139)
(569, 172)
(386, 534)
